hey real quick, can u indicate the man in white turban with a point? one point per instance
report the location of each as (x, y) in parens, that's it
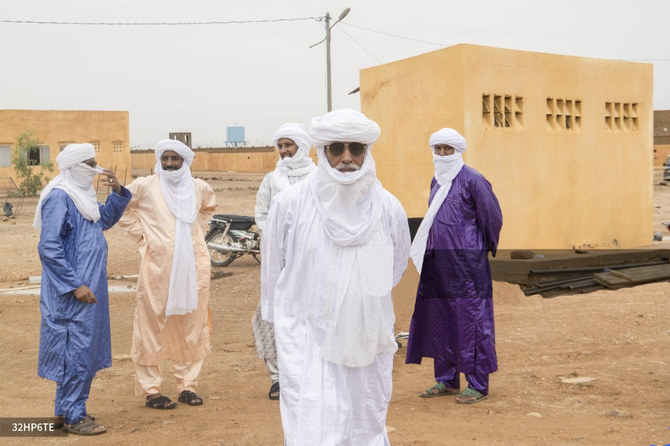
(167, 215)
(293, 143)
(333, 248)
(453, 317)
(75, 336)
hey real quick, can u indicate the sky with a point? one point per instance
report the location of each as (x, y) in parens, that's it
(260, 72)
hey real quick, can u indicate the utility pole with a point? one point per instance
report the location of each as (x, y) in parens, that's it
(329, 93)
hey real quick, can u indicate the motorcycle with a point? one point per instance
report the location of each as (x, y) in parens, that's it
(229, 237)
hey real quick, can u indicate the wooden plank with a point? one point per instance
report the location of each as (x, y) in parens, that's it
(633, 276)
(620, 275)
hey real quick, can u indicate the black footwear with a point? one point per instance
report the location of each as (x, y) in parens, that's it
(190, 398)
(274, 391)
(161, 402)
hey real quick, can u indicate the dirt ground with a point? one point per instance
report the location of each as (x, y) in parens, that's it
(617, 342)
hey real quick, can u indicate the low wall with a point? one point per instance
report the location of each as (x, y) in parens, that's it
(244, 159)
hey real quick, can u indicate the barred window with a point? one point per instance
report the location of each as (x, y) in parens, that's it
(621, 116)
(564, 114)
(502, 111)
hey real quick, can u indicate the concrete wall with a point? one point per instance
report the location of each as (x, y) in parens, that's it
(108, 130)
(571, 161)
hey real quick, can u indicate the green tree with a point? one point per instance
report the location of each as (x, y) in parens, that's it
(30, 182)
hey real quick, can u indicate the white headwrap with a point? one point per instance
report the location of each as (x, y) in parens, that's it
(347, 201)
(179, 195)
(76, 179)
(300, 164)
(359, 269)
(446, 169)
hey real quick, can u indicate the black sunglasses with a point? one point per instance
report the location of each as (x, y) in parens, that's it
(355, 148)
(90, 163)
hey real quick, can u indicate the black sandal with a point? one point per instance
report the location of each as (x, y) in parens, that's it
(59, 423)
(161, 402)
(85, 426)
(190, 398)
(274, 389)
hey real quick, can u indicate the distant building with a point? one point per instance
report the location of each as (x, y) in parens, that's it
(184, 137)
(565, 141)
(661, 136)
(108, 131)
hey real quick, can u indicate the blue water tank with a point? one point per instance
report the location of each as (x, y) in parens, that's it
(235, 135)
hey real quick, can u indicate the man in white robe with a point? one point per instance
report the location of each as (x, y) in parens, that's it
(293, 144)
(333, 248)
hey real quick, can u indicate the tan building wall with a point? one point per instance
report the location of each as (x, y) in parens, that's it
(245, 159)
(108, 131)
(565, 141)
(661, 152)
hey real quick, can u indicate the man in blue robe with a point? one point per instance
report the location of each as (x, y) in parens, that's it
(453, 315)
(75, 335)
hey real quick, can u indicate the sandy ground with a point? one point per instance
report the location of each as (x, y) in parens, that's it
(618, 342)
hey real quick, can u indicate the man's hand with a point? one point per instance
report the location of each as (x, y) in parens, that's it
(85, 295)
(111, 181)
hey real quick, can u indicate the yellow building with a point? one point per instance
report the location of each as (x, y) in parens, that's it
(566, 142)
(108, 131)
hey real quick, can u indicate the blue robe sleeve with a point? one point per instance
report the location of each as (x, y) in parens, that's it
(56, 225)
(488, 214)
(112, 210)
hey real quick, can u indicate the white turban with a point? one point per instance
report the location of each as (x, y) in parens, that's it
(348, 201)
(446, 169)
(344, 125)
(74, 154)
(179, 194)
(450, 137)
(76, 179)
(176, 146)
(300, 164)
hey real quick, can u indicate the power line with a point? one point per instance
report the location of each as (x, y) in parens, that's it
(361, 46)
(394, 35)
(228, 22)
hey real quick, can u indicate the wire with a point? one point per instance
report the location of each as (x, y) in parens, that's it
(229, 22)
(361, 46)
(394, 35)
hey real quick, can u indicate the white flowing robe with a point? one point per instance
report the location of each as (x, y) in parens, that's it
(322, 402)
(264, 339)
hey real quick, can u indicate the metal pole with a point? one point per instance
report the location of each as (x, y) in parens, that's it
(328, 86)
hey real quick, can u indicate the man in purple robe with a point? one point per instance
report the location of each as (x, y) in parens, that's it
(453, 316)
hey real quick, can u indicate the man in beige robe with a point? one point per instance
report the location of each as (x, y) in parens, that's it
(167, 215)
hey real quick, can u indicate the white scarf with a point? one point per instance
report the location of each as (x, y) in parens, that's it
(350, 205)
(300, 164)
(179, 194)
(446, 169)
(76, 179)
(348, 202)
